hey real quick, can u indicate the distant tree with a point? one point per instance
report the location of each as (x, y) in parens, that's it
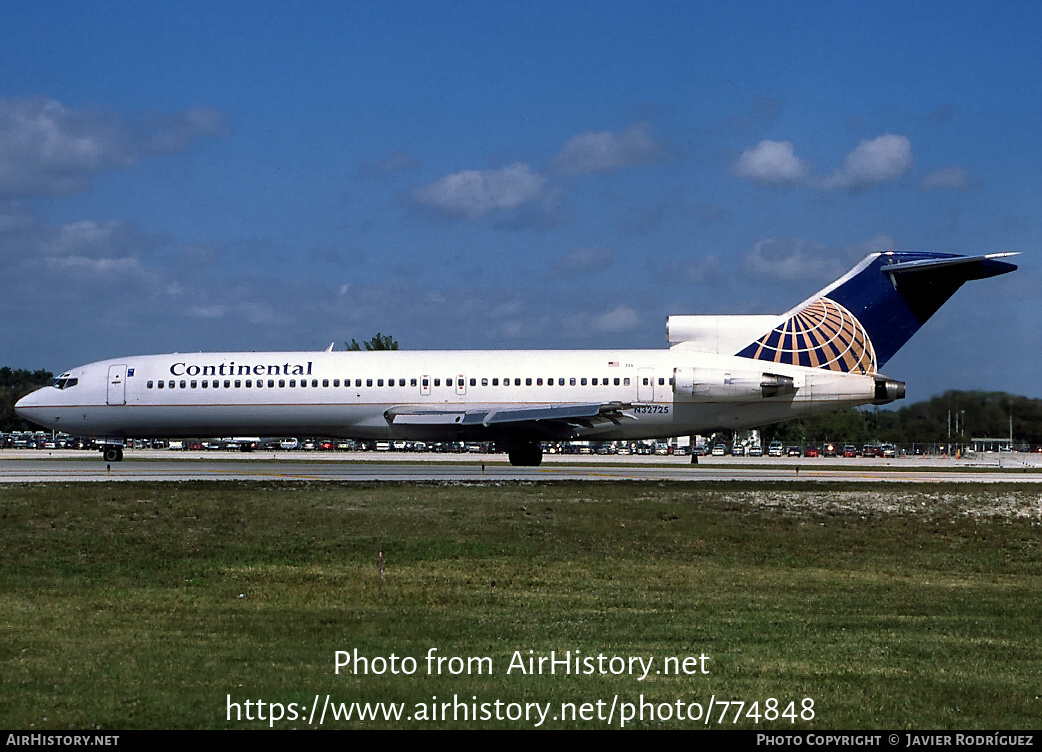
(379, 342)
(977, 413)
(15, 384)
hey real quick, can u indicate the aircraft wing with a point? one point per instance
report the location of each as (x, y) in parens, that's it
(548, 419)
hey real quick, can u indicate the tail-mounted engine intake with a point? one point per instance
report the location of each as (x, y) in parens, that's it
(888, 390)
(714, 384)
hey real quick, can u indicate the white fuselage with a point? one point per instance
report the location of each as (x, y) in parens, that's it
(355, 394)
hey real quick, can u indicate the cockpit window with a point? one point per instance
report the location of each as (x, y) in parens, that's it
(64, 382)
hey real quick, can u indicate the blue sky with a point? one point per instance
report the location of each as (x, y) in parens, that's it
(251, 176)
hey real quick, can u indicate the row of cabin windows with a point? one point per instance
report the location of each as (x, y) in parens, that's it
(459, 382)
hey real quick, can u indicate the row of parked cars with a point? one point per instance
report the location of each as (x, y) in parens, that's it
(778, 449)
(43, 440)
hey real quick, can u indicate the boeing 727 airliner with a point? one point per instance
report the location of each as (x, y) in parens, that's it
(720, 372)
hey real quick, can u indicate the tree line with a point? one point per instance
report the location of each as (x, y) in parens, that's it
(15, 383)
(953, 417)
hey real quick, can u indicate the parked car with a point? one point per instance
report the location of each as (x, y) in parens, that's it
(775, 449)
(719, 450)
(810, 452)
(756, 451)
(793, 451)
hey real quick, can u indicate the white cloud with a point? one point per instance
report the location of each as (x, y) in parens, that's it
(392, 164)
(49, 149)
(619, 319)
(607, 150)
(880, 160)
(954, 178)
(206, 312)
(704, 269)
(789, 260)
(476, 193)
(82, 264)
(771, 163)
(622, 318)
(584, 260)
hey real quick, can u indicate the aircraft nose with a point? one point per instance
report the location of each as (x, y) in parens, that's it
(26, 406)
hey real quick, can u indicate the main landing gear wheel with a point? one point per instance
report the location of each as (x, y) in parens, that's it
(526, 455)
(112, 454)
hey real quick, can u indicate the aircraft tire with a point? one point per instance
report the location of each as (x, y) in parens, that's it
(112, 454)
(526, 455)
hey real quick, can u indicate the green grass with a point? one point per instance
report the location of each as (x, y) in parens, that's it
(910, 606)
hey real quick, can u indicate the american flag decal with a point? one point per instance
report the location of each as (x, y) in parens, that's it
(614, 363)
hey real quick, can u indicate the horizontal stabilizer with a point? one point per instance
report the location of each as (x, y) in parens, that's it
(992, 268)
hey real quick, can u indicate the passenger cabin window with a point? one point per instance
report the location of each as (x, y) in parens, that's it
(437, 382)
(148, 385)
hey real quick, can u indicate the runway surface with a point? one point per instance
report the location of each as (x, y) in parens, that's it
(36, 466)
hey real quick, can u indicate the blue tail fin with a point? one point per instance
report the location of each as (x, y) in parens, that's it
(857, 323)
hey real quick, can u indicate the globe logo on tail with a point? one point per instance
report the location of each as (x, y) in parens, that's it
(824, 334)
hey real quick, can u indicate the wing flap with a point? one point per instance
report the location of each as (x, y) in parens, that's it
(584, 414)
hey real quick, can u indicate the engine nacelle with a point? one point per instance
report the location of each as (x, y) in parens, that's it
(718, 384)
(888, 390)
(724, 335)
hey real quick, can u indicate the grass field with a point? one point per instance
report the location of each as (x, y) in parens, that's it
(149, 605)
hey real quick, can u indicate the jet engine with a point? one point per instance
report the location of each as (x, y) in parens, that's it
(719, 385)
